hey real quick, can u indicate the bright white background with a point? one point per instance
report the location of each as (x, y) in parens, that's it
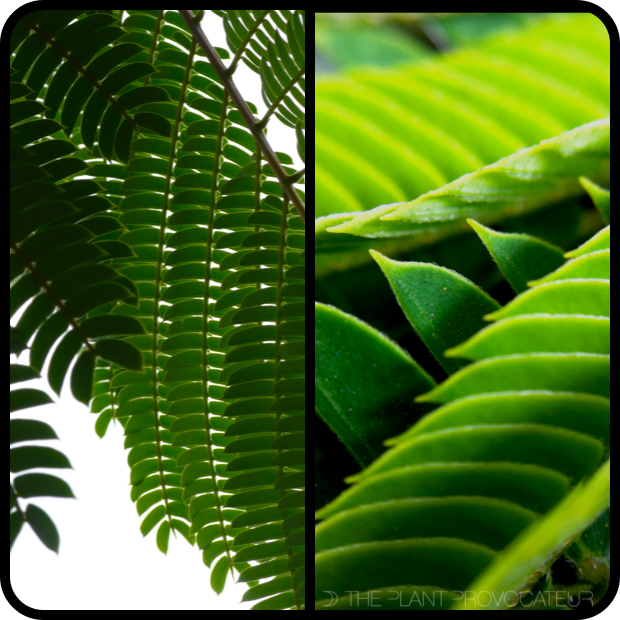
(104, 563)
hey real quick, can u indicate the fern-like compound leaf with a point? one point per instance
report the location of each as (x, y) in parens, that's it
(522, 434)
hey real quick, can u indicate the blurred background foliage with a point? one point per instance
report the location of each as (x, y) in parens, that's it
(346, 40)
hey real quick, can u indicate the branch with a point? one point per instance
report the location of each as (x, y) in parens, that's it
(248, 117)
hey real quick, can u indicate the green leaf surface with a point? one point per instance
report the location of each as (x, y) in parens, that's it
(526, 180)
(35, 485)
(364, 383)
(346, 568)
(144, 192)
(15, 526)
(537, 333)
(573, 454)
(28, 457)
(469, 77)
(588, 266)
(163, 537)
(521, 258)
(442, 306)
(538, 544)
(82, 377)
(600, 196)
(28, 430)
(564, 372)
(465, 109)
(582, 296)
(527, 424)
(368, 46)
(493, 523)
(219, 574)
(531, 486)
(26, 398)
(43, 527)
(98, 326)
(121, 353)
(580, 412)
(600, 241)
(154, 122)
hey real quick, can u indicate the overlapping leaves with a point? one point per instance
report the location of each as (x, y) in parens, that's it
(58, 241)
(183, 221)
(467, 110)
(25, 457)
(521, 426)
(273, 44)
(249, 251)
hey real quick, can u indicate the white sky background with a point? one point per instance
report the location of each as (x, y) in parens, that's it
(104, 563)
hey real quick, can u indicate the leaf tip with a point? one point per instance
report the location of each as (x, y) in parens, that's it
(492, 316)
(352, 479)
(421, 399)
(475, 225)
(453, 352)
(380, 259)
